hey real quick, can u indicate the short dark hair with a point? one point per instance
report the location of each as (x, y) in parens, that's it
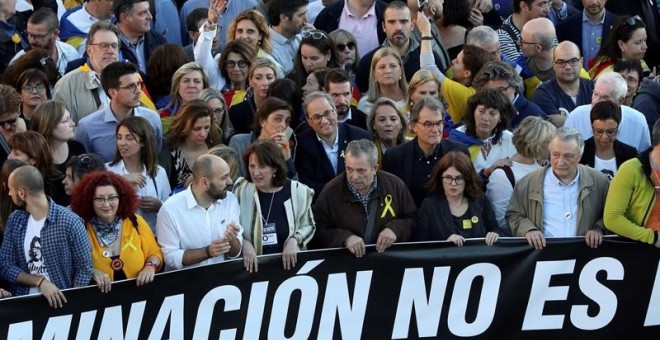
(124, 6)
(474, 58)
(270, 105)
(111, 74)
(455, 12)
(490, 98)
(83, 164)
(336, 76)
(516, 4)
(45, 15)
(33, 75)
(286, 7)
(629, 65)
(605, 110)
(463, 164)
(195, 16)
(269, 154)
(287, 90)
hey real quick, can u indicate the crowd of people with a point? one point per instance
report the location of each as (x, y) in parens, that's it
(141, 136)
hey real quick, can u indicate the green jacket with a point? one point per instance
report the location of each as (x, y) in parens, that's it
(630, 200)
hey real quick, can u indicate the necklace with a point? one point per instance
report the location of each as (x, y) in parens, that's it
(269, 209)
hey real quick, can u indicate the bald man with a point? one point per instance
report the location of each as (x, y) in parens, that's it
(537, 39)
(567, 90)
(198, 226)
(46, 247)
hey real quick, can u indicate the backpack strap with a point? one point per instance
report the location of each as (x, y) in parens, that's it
(509, 174)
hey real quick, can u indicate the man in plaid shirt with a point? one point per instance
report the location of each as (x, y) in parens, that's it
(45, 247)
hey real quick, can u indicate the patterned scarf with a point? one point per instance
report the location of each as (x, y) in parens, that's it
(106, 232)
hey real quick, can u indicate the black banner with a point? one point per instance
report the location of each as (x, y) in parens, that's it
(410, 291)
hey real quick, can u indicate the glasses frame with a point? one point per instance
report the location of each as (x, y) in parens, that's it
(458, 180)
(100, 201)
(314, 35)
(319, 117)
(133, 88)
(105, 46)
(428, 125)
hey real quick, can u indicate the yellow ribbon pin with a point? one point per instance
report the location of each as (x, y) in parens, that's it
(16, 38)
(388, 207)
(129, 243)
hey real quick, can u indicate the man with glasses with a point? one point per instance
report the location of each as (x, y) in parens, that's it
(97, 132)
(64, 244)
(523, 11)
(42, 32)
(10, 120)
(537, 39)
(398, 25)
(567, 90)
(376, 207)
(414, 160)
(633, 129)
(563, 199)
(287, 18)
(320, 151)
(588, 29)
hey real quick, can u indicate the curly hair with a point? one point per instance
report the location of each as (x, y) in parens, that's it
(463, 164)
(82, 200)
(259, 21)
(10, 100)
(491, 99)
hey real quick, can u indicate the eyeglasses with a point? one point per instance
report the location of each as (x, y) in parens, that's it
(39, 88)
(112, 200)
(132, 88)
(600, 132)
(449, 180)
(561, 63)
(314, 35)
(428, 125)
(10, 121)
(545, 5)
(219, 111)
(104, 45)
(342, 47)
(528, 42)
(233, 63)
(38, 37)
(326, 115)
(632, 21)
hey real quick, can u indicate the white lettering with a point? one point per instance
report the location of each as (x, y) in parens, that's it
(542, 292)
(171, 309)
(112, 325)
(652, 315)
(338, 303)
(86, 325)
(309, 290)
(427, 309)
(20, 331)
(487, 300)
(255, 313)
(232, 297)
(604, 297)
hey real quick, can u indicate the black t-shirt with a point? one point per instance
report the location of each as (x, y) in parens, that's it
(275, 213)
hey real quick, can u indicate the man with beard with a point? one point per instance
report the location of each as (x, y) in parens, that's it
(42, 32)
(567, 90)
(287, 18)
(138, 40)
(338, 86)
(398, 26)
(198, 226)
(63, 243)
(588, 29)
(97, 132)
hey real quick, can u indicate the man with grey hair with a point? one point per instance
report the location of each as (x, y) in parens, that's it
(413, 161)
(633, 129)
(320, 150)
(501, 76)
(486, 38)
(376, 207)
(563, 199)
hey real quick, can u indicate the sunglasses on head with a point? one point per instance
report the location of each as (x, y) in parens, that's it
(632, 21)
(342, 47)
(314, 35)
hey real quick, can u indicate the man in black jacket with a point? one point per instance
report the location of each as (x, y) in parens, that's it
(138, 41)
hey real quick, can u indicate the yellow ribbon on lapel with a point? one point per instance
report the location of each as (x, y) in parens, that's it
(388, 207)
(129, 243)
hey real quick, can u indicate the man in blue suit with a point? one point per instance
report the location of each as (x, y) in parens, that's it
(588, 29)
(320, 150)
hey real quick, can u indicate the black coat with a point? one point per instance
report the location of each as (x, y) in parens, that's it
(571, 28)
(436, 223)
(622, 152)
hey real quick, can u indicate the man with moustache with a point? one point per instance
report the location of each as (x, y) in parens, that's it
(338, 86)
(42, 32)
(198, 226)
(321, 150)
(398, 26)
(65, 251)
(97, 132)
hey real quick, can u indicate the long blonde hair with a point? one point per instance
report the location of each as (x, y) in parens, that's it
(374, 91)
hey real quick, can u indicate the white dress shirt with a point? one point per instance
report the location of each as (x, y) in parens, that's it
(560, 206)
(183, 224)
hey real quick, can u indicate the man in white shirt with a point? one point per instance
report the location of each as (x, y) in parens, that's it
(198, 226)
(563, 199)
(633, 129)
(287, 18)
(42, 32)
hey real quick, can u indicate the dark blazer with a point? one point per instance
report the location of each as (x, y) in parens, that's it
(328, 19)
(622, 152)
(436, 223)
(358, 119)
(571, 28)
(152, 40)
(313, 166)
